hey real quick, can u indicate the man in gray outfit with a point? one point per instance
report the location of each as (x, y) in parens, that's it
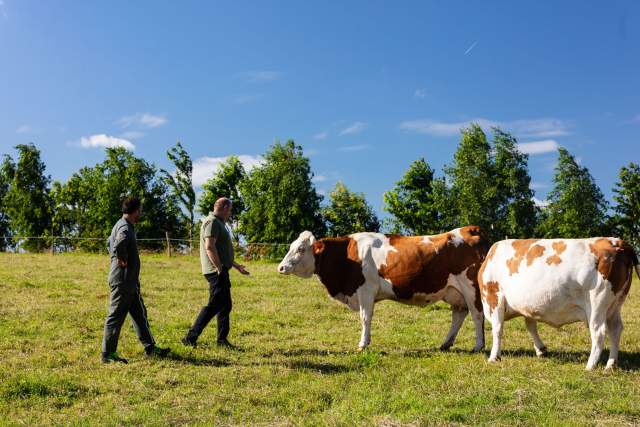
(125, 287)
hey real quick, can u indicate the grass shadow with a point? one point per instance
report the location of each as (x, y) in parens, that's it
(628, 361)
(197, 361)
(321, 367)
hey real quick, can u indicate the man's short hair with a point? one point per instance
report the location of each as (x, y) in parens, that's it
(221, 203)
(130, 205)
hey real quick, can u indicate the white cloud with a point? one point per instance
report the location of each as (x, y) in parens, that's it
(245, 99)
(354, 128)
(3, 10)
(540, 203)
(470, 48)
(205, 167)
(636, 119)
(545, 127)
(321, 192)
(355, 147)
(143, 120)
(102, 140)
(134, 134)
(320, 136)
(261, 76)
(538, 185)
(23, 128)
(538, 147)
(319, 178)
(420, 93)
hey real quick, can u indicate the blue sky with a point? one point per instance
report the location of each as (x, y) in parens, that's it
(364, 87)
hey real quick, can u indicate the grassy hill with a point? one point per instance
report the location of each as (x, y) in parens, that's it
(297, 363)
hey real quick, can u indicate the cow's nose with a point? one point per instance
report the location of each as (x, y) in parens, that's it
(281, 269)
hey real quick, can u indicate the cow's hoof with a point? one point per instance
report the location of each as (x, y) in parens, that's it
(493, 360)
(361, 349)
(611, 366)
(541, 352)
(477, 349)
(590, 368)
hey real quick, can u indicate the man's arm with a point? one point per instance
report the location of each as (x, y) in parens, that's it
(212, 253)
(241, 268)
(120, 246)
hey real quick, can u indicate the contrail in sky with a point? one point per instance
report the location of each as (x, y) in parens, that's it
(471, 47)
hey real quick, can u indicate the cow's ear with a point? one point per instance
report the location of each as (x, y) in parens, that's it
(318, 247)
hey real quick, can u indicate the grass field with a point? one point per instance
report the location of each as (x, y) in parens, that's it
(298, 364)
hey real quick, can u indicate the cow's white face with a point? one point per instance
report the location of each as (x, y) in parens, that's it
(300, 260)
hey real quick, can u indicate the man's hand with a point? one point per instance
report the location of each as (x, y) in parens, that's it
(241, 269)
(122, 263)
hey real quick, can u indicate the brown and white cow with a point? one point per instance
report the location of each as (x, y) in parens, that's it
(558, 281)
(363, 268)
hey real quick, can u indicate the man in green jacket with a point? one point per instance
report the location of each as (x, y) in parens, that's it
(125, 287)
(216, 259)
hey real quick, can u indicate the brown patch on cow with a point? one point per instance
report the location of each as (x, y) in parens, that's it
(490, 294)
(614, 262)
(338, 265)
(536, 251)
(521, 247)
(559, 248)
(492, 251)
(419, 267)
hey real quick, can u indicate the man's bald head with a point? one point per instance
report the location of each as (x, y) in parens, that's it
(222, 208)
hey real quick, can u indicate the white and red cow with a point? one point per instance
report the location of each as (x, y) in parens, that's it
(363, 268)
(558, 281)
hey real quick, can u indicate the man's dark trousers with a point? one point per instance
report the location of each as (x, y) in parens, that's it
(123, 302)
(219, 304)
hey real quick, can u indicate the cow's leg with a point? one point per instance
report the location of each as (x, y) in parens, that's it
(457, 318)
(470, 294)
(532, 327)
(497, 322)
(597, 328)
(367, 300)
(614, 329)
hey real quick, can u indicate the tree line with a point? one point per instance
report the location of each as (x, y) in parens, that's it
(487, 183)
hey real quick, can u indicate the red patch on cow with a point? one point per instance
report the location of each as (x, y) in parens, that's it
(419, 267)
(559, 248)
(338, 265)
(614, 262)
(521, 247)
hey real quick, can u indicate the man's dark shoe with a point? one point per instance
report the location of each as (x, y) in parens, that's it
(113, 358)
(156, 351)
(189, 342)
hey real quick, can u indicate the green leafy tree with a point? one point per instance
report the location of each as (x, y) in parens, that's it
(280, 199)
(348, 213)
(516, 214)
(27, 202)
(473, 182)
(6, 174)
(627, 209)
(181, 185)
(92, 199)
(412, 202)
(577, 208)
(224, 183)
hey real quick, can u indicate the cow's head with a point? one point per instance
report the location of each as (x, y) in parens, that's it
(300, 259)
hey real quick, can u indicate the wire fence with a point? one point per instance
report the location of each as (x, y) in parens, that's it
(170, 246)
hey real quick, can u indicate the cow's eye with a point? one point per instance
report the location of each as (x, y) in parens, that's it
(301, 249)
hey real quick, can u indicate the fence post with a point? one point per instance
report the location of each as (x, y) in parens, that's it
(53, 245)
(166, 233)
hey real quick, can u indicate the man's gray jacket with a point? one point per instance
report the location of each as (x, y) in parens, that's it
(122, 245)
